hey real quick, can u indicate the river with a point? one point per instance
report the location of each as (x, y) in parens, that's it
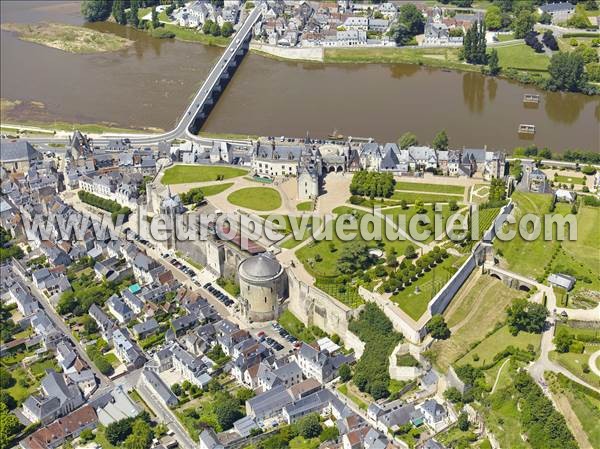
(148, 85)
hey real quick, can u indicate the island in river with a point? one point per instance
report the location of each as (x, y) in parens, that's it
(69, 38)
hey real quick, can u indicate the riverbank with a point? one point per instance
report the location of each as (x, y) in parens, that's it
(36, 128)
(68, 38)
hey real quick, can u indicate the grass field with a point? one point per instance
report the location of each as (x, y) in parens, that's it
(527, 257)
(431, 188)
(256, 198)
(586, 249)
(295, 327)
(415, 298)
(584, 402)
(577, 180)
(183, 174)
(521, 56)
(343, 388)
(490, 346)
(305, 206)
(574, 363)
(583, 332)
(505, 37)
(476, 309)
(412, 197)
(216, 188)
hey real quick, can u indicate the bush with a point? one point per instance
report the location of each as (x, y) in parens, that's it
(162, 33)
(309, 426)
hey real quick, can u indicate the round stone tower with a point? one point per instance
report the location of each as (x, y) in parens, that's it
(263, 285)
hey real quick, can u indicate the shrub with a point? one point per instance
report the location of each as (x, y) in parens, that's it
(162, 33)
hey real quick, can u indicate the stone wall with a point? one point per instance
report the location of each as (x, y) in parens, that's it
(316, 308)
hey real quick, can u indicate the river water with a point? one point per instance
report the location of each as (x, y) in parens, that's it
(149, 84)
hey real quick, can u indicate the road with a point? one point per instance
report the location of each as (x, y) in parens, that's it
(165, 415)
(105, 383)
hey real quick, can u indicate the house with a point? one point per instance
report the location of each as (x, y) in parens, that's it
(269, 404)
(562, 280)
(26, 304)
(115, 406)
(565, 195)
(17, 155)
(208, 440)
(560, 12)
(143, 267)
(152, 381)
(191, 368)
(105, 324)
(434, 414)
(126, 350)
(59, 431)
(143, 330)
(322, 402)
(55, 399)
(320, 364)
(119, 309)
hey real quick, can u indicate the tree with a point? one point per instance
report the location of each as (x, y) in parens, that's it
(96, 10)
(215, 30)
(549, 40)
(588, 54)
(141, 436)
(102, 364)
(345, 372)
(474, 44)
(118, 431)
(440, 141)
(133, 18)
(493, 63)
(523, 24)
(493, 18)
(379, 389)
(9, 426)
(409, 252)
(227, 29)
(118, 12)
(6, 379)
(545, 18)
(400, 33)
(566, 71)
(525, 316)
(453, 395)
(176, 389)
(309, 426)
(579, 19)
(406, 140)
(243, 394)
(155, 21)
(410, 16)
(329, 434)
(7, 399)
(438, 328)
(86, 435)
(89, 325)
(463, 422)
(563, 340)
(227, 411)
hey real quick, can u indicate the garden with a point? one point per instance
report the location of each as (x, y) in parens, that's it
(184, 174)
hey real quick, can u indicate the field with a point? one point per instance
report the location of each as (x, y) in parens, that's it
(184, 174)
(295, 327)
(431, 188)
(521, 56)
(476, 309)
(527, 257)
(215, 188)
(577, 180)
(305, 206)
(414, 299)
(574, 363)
(343, 388)
(69, 38)
(584, 403)
(490, 346)
(412, 197)
(256, 198)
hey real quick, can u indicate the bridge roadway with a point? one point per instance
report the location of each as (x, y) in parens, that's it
(203, 96)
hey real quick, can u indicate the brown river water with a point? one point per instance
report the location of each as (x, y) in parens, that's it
(149, 84)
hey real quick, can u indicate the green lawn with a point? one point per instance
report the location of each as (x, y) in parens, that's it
(256, 198)
(112, 359)
(300, 442)
(574, 363)
(215, 188)
(343, 388)
(577, 180)
(580, 332)
(584, 402)
(505, 37)
(499, 340)
(412, 197)
(305, 206)
(191, 35)
(182, 174)
(521, 56)
(478, 306)
(414, 302)
(295, 327)
(527, 257)
(431, 188)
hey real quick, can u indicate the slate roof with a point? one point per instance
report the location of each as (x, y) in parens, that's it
(17, 150)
